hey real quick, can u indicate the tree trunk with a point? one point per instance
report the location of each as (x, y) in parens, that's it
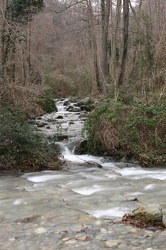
(125, 42)
(105, 15)
(93, 44)
(29, 52)
(114, 42)
(5, 40)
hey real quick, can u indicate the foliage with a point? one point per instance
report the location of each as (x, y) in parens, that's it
(23, 10)
(47, 104)
(20, 147)
(138, 130)
(76, 82)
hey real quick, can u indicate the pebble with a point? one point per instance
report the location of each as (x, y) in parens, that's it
(103, 231)
(112, 243)
(98, 222)
(65, 239)
(71, 242)
(40, 230)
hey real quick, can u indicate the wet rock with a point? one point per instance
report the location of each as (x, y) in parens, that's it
(80, 148)
(85, 101)
(107, 159)
(66, 102)
(40, 230)
(81, 237)
(125, 165)
(73, 143)
(112, 243)
(91, 164)
(59, 117)
(103, 231)
(71, 122)
(112, 172)
(32, 121)
(76, 228)
(65, 239)
(87, 108)
(86, 104)
(71, 242)
(149, 212)
(62, 137)
(41, 125)
(124, 159)
(73, 109)
(76, 109)
(146, 215)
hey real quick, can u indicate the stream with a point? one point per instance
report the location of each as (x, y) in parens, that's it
(77, 207)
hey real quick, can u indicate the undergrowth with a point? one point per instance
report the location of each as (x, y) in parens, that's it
(21, 148)
(136, 129)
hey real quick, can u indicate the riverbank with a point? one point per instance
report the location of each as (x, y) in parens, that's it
(135, 130)
(79, 206)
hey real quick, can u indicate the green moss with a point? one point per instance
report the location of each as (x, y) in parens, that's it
(20, 147)
(138, 130)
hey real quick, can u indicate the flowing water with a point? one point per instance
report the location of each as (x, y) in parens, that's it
(76, 208)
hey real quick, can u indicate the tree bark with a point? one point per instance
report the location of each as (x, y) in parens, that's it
(114, 42)
(105, 15)
(93, 44)
(125, 42)
(5, 40)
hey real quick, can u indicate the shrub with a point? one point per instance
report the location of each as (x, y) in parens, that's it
(21, 97)
(137, 130)
(76, 82)
(20, 147)
(48, 104)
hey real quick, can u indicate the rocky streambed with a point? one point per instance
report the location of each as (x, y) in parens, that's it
(79, 206)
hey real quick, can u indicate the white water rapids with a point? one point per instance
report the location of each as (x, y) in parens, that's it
(105, 192)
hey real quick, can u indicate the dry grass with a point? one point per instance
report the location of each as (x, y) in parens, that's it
(23, 98)
(133, 135)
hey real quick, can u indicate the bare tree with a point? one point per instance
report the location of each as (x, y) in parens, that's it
(125, 41)
(94, 44)
(105, 15)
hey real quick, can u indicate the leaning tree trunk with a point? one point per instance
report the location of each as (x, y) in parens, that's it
(125, 41)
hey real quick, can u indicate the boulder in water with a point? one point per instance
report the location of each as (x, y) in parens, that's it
(81, 148)
(87, 108)
(91, 164)
(59, 117)
(73, 109)
(85, 101)
(146, 215)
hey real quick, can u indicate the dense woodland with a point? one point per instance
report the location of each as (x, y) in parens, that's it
(111, 50)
